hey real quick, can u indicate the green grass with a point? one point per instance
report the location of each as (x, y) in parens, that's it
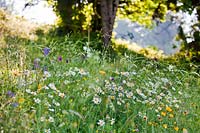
(91, 91)
(78, 87)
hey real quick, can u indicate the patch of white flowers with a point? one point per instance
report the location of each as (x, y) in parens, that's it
(96, 100)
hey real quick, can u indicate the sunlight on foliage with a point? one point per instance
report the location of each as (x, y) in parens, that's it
(148, 52)
(88, 12)
(143, 11)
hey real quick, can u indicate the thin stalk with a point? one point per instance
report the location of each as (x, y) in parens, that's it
(88, 36)
(7, 66)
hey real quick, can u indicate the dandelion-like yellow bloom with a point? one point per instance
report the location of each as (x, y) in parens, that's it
(112, 97)
(102, 72)
(169, 109)
(163, 113)
(171, 116)
(21, 100)
(176, 128)
(39, 87)
(165, 126)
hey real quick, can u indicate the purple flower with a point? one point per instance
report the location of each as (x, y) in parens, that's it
(59, 58)
(112, 78)
(15, 104)
(10, 94)
(46, 51)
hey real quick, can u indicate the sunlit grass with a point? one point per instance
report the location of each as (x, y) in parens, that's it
(147, 52)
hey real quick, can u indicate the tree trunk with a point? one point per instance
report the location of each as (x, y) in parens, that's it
(64, 8)
(96, 20)
(108, 14)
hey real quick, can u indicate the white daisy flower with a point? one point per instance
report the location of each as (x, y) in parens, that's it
(112, 121)
(96, 100)
(61, 94)
(52, 110)
(42, 119)
(37, 100)
(101, 123)
(47, 74)
(47, 130)
(52, 86)
(51, 119)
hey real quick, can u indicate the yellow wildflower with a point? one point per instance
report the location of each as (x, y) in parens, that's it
(165, 125)
(171, 116)
(112, 97)
(39, 87)
(168, 109)
(102, 72)
(163, 113)
(176, 128)
(21, 100)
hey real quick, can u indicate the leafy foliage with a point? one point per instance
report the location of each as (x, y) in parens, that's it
(143, 12)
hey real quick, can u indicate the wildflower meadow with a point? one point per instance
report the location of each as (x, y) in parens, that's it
(68, 84)
(61, 87)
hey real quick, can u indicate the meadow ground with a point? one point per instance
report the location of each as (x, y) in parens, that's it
(62, 84)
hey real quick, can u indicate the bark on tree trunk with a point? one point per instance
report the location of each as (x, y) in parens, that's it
(108, 14)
